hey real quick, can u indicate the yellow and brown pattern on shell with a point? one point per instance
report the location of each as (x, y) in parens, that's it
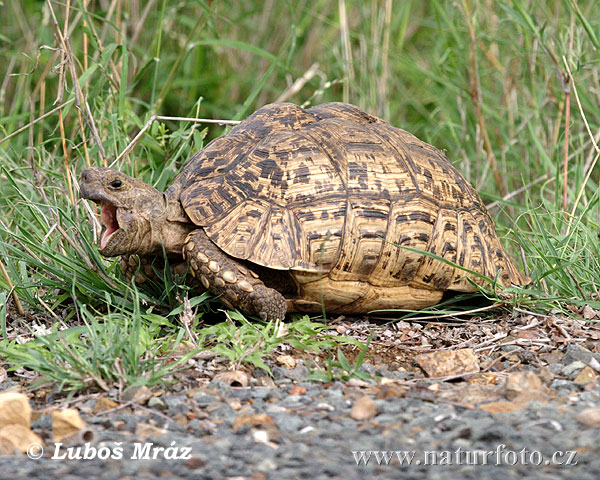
(331, 193)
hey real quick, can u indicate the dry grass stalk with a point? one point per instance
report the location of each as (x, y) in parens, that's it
(136, 139)
(25, 127)
(81, 101)
(346, 50)
(476, 96)
(18, 305)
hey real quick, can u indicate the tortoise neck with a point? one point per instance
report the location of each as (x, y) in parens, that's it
(175, 227)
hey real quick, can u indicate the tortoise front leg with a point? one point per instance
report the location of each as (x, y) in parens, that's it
(142, 267)
(237, 286)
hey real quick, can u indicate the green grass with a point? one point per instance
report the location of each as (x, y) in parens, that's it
(508, 89)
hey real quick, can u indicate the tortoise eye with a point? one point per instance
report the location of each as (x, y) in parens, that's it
(116, 184)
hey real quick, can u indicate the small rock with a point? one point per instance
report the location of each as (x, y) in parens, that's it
(556, 368)
(266, 465)
(586, 375)
(364, 408)
(157, 403)
(204, 399)
(66, 422)
(287, 361)
(139, 394)
(14, 409)
(298, 373)
(595, 364)
(298, 390)
(17, 437)
(545, 375)
(590, 417)
(524, 381)
(253, 420)
(563, 385)
(145, 430)
(235, 378)
(104, 403)
(448, 363)
(502, 406)
(176, 404)
(572, 369)
(576, 352)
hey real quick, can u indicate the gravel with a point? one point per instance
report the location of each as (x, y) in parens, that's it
(423, 429)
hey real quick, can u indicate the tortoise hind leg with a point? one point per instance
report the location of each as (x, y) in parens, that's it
(224, 276)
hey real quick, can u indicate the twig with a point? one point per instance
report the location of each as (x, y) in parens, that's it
(136, 139)
(483, 344)
(448, 315)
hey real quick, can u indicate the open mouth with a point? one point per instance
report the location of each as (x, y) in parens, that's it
(108, 216)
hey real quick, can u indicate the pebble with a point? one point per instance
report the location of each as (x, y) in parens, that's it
(577, 353)
(589, 417)
(572, 369)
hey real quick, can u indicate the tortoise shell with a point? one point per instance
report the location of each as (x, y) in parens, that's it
(331, 194)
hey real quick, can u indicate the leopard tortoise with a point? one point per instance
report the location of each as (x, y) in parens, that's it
(296, 209)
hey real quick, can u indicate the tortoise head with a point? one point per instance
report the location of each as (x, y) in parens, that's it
(133, 213)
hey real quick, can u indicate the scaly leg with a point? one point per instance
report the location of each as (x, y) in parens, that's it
(237, 286)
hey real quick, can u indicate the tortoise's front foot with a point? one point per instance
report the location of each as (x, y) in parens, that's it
(224, 276)
(144, 267)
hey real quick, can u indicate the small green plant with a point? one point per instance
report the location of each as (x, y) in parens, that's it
(243, 341)
(340, 368)
(120, 349)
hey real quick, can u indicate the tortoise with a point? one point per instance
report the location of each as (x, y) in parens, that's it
(299, 209)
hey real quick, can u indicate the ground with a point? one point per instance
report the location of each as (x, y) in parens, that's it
(520, 395)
